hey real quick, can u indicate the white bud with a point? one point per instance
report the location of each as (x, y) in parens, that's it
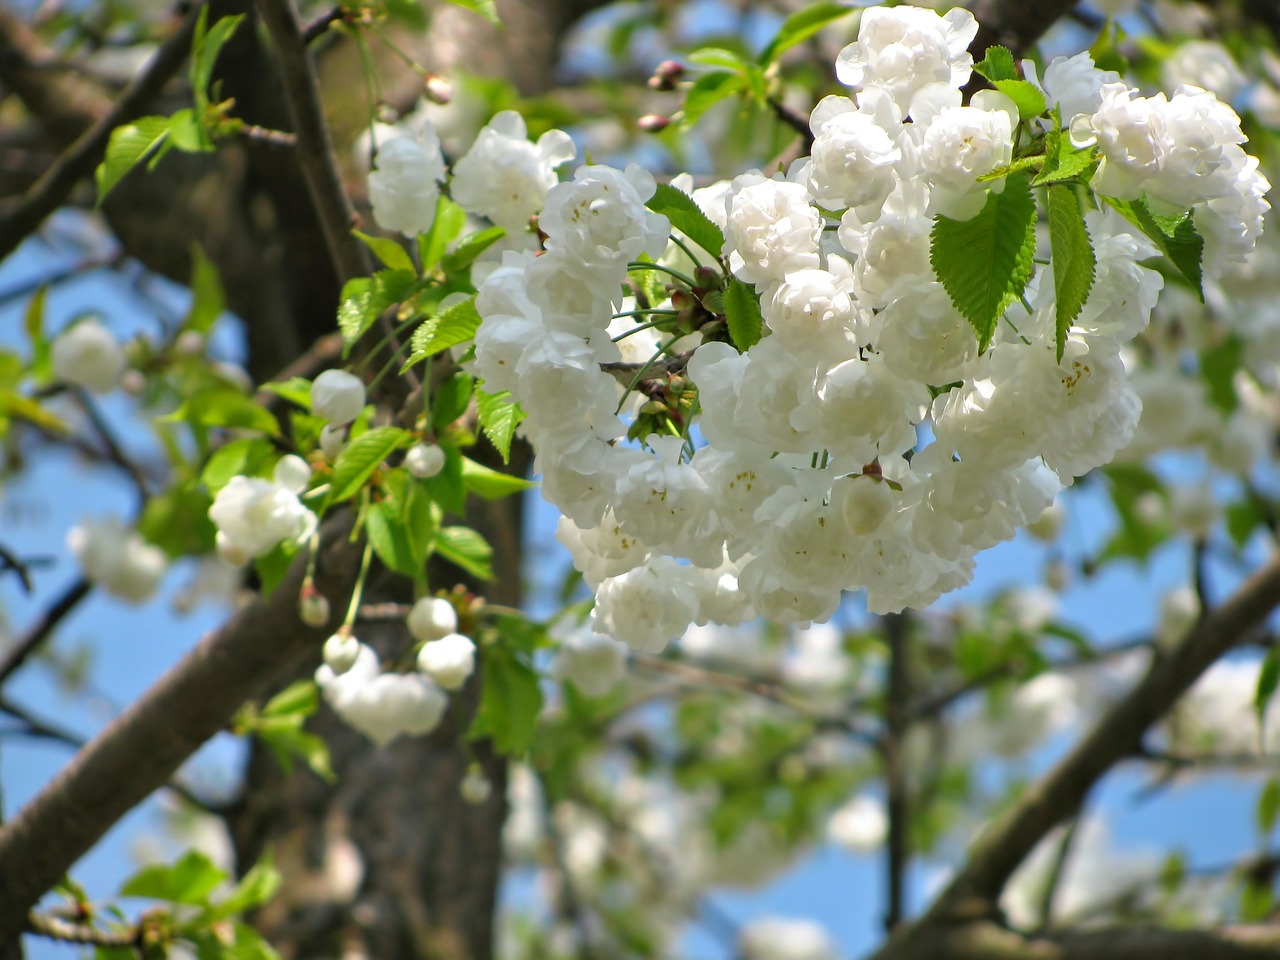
(88, 355)
(340, 652)
(337, 396)
(432, 618)
(190, 343)
(424, 460)
(449, 660)
(1057, 575)
(475, 787)
(332, 440)
(1047, 526)
(313, 607)
(133, 382)
(293, 473)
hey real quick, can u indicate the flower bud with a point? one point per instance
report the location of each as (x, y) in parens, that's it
(437, 89)
(653, 123)
(424, 460)
(133, 382)
(88, 355)
(431, 619)
(337, 396)
(475, 787)
(190, 343)
(313, 606)
(665, 75)
(340, 652)
(449, 660)
(332, 440)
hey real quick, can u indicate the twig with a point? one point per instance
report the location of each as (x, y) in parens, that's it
(276, 138)
(35, 727)
(115, 452)
(56, 928)
(319, 26)
(315, 147)
(20, 219)
(795, 120)
(41, 629)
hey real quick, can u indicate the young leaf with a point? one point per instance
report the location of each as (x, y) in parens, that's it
(997, 65)
(33, 324)
(402, 527)
(499, 416)
(447, 226)
(742, 313)
(188, 881)
(1026, 95)
(365, 298)
(129, 145)
(1176, 237)
(1063, 160)
(388, 251)
(223, 406)
(205, 48)
(1073, 258)
(490, 484)
(451, 399)
(708, 90)
(455, 325)
(1268, 681)
(465, 548)
(245, 457)
(297, 390)
(800, 26)
(362, 456)
(469, 248)
(687, 217)
(510, 701)
(1218, 366)
(985, 263)
(484, 8)
(207, 298)
(1269, 806)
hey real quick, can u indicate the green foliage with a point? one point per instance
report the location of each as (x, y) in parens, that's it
(360, 458)
(388, 251)
(1074, 261)
(454, 325)
(1176, 237)
(687, 217)
(985, 262)
(483, 8)
(742, 314)
(1218, 367)
(205, 47)
(800, 26)
(466, 549)
(177, 521)
(129, 145)
(997, 64)
(1268, 681)
(708, 90)
(365, 299)
(1027, 96)
(41, 365)
(222, 405)
(1138, 537)
(1062, 159)
(445, 228)
(469, 249)
(279, 725)
(510, 692)
(297, 390)
(490, 484)
(402, 525)
(1268, 810)
(499, 416)
(207, 298)
(451, 399)
(272, 567)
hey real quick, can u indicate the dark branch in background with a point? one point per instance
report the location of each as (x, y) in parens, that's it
(41, 629)
(315, 29)
(896, 721)
(21, 218)
(139, 751)
(315, 147)
(114, 451)
(795, 120)
(56, 928)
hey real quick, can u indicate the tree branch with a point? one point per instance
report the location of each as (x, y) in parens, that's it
(18, 220)
(142, 748)
(315, 147)
(1059, 794)
(896, 721)
(41, 629)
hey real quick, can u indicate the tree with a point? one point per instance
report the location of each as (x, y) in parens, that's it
(894, 277)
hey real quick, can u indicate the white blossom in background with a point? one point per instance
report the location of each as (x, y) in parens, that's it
(382, 706)
(1206, 64)
(777, 938)
(859, 826)
(592, 662)
(88, 355)
(405, 187)
(116, 558)
(254, 516)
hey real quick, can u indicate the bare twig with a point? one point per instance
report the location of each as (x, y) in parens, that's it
(319, 26)
(43, 627)
(276, 138)
(55, 928)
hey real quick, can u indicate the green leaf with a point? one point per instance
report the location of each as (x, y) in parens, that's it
(1242, 518)
(1268, 681)
(205, 48)
(129, 145)
(687, 217)
(491, 484)
(499, 416)
(469, 248)
(1218, 367)
(408, 12)
(224, 406)
(465, 548)
(742, 313)
(402, 527)
(800, 26)
(453, 326)
(365, 299)
(1137, 537)
(1269, 806)
(446, 488)
(243, 457)
(177, 521)
(997, 64)
(451, 399)
(484, 8)
(445, 228)
(300, 698)
(360, 458)
(1062, 159)
(207, 298)
(985, 262)
(388, 251)
(287, 742)
(33, 324)
(708, 90)
(510, 701)
(1073, 258)
(189, 881)
(297, 390)
(1176, 237)
(272, 566)
(719, 57)
(255, 888)
(1030, 101)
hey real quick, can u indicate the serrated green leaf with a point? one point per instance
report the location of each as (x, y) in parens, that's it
(485, 8)
(402, 527)
(364, 300)
(255, 888)
(708, 90)
(742, 314)
(499, 416)
(718, 57)
(491, 484)
(205, 47)
(1218, 367)
(451, 399)
(297, 390)
(246, 457)
(686, 216)
(1074, 260)
(1268, 681)
(389, 251)
(997, 64)
(224, 406)
(465, 548)
(455, 325)
(361, 457)
(1062, 159)
(190, 880)
(1176, 237)
(800, 26)
(469, 249)
(1027, 96)
(129, 145)
(510, 701)
(985, 262)
(207, 298)
(447, 226)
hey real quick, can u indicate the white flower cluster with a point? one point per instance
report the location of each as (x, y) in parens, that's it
(384, 705)
(863, 441)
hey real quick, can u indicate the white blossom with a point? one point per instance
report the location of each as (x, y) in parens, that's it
(88, 355)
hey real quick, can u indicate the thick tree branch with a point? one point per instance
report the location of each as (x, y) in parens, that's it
(142, 748)
(1059, 794)
(18, 220)
(897, 803)
(315, 147)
